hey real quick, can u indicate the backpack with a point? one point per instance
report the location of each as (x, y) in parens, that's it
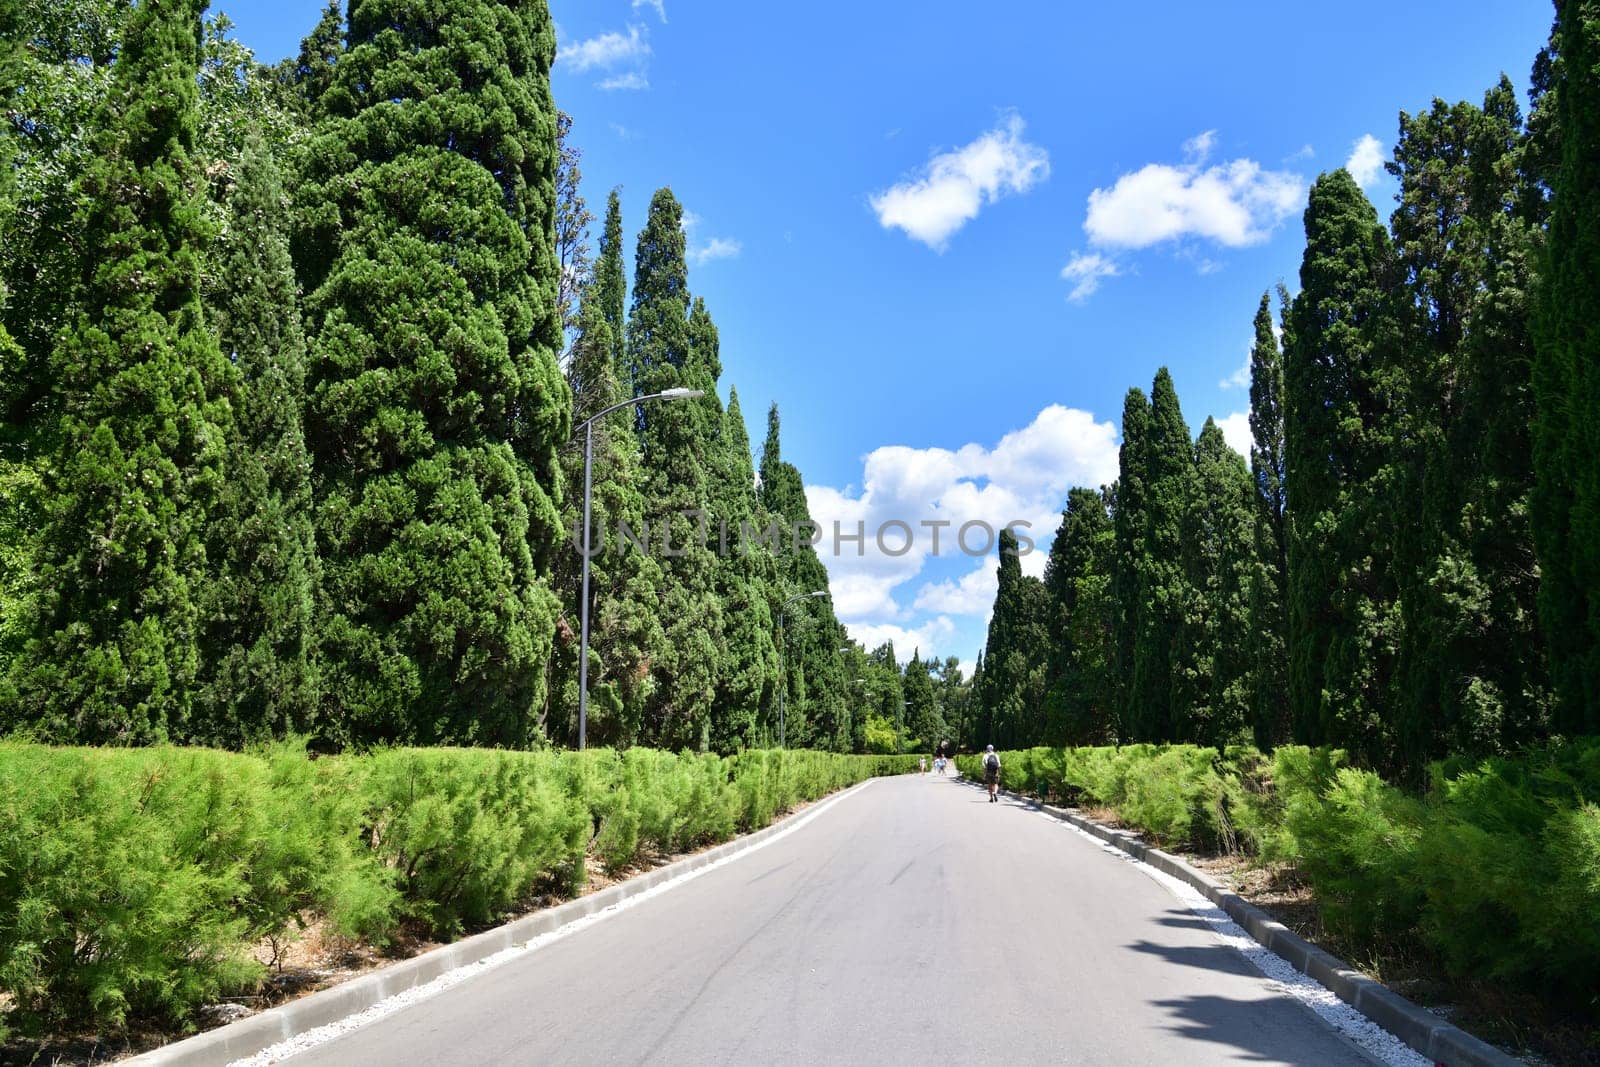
(991, 762)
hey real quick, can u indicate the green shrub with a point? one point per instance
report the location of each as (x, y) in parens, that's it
(469, 832)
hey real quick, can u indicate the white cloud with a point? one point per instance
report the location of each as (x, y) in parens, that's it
(716, 248)
(971, 595)
(1236, 428)
(1023, 478)
(1234, 204)
(1366, 160)
(1086, 269)
(954, 186)
(659, 6)
(631, 80)
(930, 639)
(606, 51)
(1240, 378)
(1198, 148)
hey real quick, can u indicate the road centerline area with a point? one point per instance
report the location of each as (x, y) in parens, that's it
(915, 919)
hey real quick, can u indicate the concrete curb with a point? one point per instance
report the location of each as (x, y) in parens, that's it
(1419, 1028)
(249, 1036)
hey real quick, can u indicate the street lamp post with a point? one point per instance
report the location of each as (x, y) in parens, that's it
(587, 429)
(783, 672)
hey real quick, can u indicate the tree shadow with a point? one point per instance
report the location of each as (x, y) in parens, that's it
(1273, 1030)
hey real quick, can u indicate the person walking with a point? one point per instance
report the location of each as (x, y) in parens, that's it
(991, 773)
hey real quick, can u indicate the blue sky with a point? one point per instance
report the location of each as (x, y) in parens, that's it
(947, 241)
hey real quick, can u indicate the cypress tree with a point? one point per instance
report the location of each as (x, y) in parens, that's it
(1566, 377)
(813, 669)
(678, 439)
(1269, 620)
(625, 632)
(1016, 656)
(257, 676)
(1469, 657)
(745, 580)
(1342, 347)
(436, 406)
(1219, 562)
(1159, 705)
(611, 284)
(1127, 578)
(925, 726)
(18, 476)
(122, 559)
(1077, 580)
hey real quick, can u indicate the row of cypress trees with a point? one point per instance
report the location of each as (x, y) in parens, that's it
(288, 393)
(1406, 568)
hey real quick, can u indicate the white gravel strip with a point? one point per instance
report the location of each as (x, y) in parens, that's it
(323, 1034)
(1280, 973)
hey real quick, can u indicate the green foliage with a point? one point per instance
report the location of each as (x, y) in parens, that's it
(1565, 378)
(1339, 371)
(1269, 580)
(132, 883)
(1471, 676)
(135, 883)
(1158, 708)
(1011, 701)
(127, 496)
(257, 676)
(424, 241)
(1493, 868)
(1081, 705)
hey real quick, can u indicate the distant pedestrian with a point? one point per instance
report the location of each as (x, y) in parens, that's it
(922, 764)
(991, 773)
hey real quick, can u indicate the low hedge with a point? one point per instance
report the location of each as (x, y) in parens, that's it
(1495, 867)
(135, 883)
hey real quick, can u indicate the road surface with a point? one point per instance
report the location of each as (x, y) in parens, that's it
(910, 921)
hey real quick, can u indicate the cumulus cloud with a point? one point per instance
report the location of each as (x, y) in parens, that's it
(1234, 204)
(1366, 160)
(1021, 479)
(605, 51)
(931, 639)
(1236, 428)
(1085, 269)
(954, 186)
(972, 594)
(659, 6)
(716, 248)
(632, 80)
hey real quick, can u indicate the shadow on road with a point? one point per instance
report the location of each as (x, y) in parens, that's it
(1245, 1026)
(1213, 957)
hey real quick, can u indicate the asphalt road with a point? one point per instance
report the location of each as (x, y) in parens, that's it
(910, 921)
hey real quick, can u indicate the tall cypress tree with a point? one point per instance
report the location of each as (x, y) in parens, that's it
(1127, 578)
(1269, 620)
(611, 284)
(1219, 561)
(1077, 580)
(1016, 656)
(1159, 704)
(257, 676)
(814, 671)
(1338, 371)
(1469, 658)
(678, 439)
(140, 381)
(745, 580)
(625, 632)
(436, 410)
(18, 476)
(1566, 376)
